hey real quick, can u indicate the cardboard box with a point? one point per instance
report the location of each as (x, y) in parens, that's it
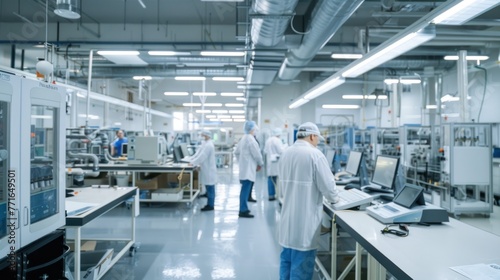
(159, 180)
(171, 194)
(173, 178)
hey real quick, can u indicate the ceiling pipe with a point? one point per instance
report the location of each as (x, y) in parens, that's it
(269, 27)
(327, 18)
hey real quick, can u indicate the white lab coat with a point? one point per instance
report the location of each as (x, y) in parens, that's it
(273, 150)
(305, 177)
(205, 158)
(248, 155)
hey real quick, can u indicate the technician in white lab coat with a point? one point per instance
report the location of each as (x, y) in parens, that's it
(205, 158)
(305, 177)
(250, 161)
(273, 150)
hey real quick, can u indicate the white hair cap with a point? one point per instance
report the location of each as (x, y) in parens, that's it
(307, 129)
(206, 133)
(277, 131)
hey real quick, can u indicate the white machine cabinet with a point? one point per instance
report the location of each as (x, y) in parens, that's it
(466, 168)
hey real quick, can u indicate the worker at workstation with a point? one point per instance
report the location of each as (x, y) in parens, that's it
(116, 146)
(205, 158)
(305, 177)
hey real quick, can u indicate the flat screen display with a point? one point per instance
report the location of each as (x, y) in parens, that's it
(124, 149)
(184, 150)
(409, 196)
(385, 171)
(354, 163)
(177, 154)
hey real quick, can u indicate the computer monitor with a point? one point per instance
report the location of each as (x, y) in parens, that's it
(124, 149)
(386, 168)
(184, 149)
(330, 154)
(177, 152)
(191, 151)
(354, 163)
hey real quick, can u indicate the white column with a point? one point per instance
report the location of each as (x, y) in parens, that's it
(463, 82)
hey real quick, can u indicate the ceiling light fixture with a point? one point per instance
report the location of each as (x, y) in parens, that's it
(122, 53)
(228, 79)
(323, 87)
(406, 81)
(334, 106)
(204, 94)
(226, 120)
(235, 94)
(168, 53)
(221, 53)
(191, 104)
(219, 111)
(388, 50)
(464, 11)
(468, 57)
(298, 103)
(69, 9)
(239, 120)
(142, 4)
(346, 56)
(236, 111)
(213, 104)
(243, 99)
(238, 116)
(190, 78)
(203, 111)
(138, 78)
(176, 93)
(359, 96)
(234, 105)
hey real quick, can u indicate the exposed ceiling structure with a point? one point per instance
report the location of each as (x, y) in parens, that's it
(282, 40)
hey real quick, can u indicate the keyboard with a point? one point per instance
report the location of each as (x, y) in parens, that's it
(375, 188)
(351, 198)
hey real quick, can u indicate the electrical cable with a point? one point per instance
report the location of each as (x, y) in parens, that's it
(50, 262)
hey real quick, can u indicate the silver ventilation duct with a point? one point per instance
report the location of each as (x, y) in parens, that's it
(327, 17)
(269, 27)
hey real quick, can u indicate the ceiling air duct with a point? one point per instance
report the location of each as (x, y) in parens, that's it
(269, 26)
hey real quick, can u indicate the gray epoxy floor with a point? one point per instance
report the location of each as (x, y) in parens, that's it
(177, 241)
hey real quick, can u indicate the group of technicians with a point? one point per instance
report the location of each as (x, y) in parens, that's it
(304, 177)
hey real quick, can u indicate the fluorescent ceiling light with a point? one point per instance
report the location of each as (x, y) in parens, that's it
(236, 111)
(219, 111)
(241, 99)
(176, 93)
(142, 4)
(236, 94)
(450, 98)
(117, 123)
(41, 117)
(223, 116)
(228, 79)
(298, 103)
(468, 57)
(168, 53)
(213, 119)
(388, 50)
(81, 95)
(210, 116)
(239, 120)
(203, 111)
(190, 78)
(464, 11)
(226, 120)
(238, 116)
(221, 53)
(121, 53)
(147, 78)
(213, 104)
(92, 117)
(234, 105)
(323, 87)
(332, 106)
(346, 56)
(431, 107)
(406, 81)
(204, 94)
(191, 104)
(359, 96)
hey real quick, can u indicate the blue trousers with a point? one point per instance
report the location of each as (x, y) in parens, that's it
(246, 186)
(297, 265)
(210, 195)
(271, 185)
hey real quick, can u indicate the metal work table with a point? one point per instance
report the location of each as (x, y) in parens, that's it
(104, 199)
(427, 252)
(165, 168)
